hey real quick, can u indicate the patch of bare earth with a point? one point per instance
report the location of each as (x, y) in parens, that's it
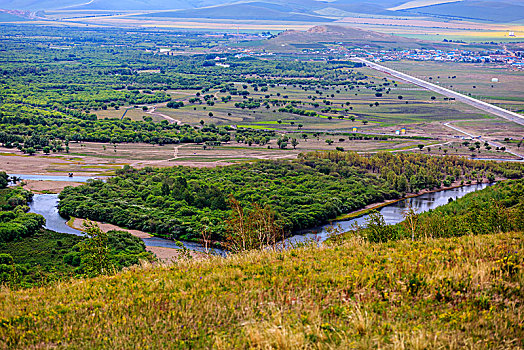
(165, 255)
(41, 186)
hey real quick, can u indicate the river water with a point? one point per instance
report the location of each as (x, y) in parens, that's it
(73, 178)
(46, 205)
(392, 213)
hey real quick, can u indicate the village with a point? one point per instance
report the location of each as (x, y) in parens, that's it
(506, 59)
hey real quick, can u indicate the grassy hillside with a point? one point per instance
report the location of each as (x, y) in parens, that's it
(425, 294)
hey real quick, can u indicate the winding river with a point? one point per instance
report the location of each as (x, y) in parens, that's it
(392, 213)
(46, 205)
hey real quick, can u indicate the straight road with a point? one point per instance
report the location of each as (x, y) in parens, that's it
(486, 107)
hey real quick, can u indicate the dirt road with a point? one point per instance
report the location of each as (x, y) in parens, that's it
(479, 137)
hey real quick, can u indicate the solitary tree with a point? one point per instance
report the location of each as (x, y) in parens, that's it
(410, 219)
(95, 250)
(294, 143)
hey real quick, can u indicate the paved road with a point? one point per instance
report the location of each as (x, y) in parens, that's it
(486, 107)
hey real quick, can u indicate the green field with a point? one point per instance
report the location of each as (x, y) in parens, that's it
(416, 106)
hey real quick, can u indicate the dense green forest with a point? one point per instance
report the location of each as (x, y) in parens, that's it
(181, 202)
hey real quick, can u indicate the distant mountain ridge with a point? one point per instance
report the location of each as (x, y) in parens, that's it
(288, 10)
(495, 11)
(122, 5)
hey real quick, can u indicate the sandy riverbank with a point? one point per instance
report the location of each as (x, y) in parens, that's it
(44, 186)
(165, 255)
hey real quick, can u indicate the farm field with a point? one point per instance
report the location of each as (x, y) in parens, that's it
(402, 25)
(497, 129)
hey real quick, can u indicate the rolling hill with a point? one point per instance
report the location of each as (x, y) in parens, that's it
(292, 10)
(120, 5)
(493, 11)
(246, 11)
(318, 36)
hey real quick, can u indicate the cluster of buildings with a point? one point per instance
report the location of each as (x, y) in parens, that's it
(504, 58)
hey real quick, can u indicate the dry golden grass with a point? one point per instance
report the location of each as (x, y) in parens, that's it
(449, 293)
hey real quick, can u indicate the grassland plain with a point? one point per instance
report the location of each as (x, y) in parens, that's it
(460, 292)
(474, 78)
(390, 111)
